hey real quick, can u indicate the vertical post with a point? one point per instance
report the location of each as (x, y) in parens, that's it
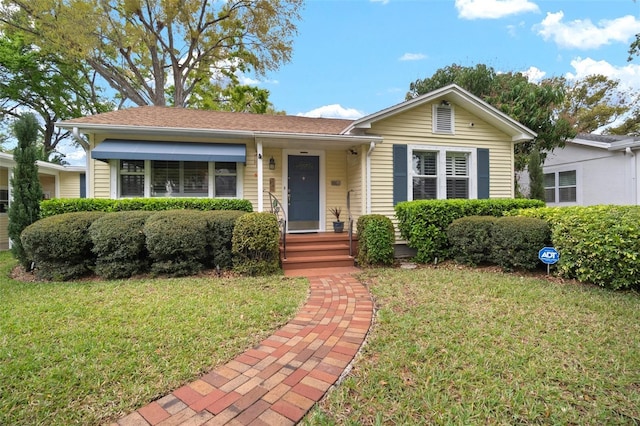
(259, 173)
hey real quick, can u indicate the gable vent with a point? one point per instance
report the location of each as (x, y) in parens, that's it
(443, 119)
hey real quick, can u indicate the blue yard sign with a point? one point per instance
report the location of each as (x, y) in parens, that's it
(549, 255)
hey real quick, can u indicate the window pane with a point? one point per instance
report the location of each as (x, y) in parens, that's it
(549, 180)
(132, 166)
(567, 178)
(196, 177)
(457, 188)
(425, 188)
(567, 194)
(457, 164)
(132, 185)
(225, 168)
(165, 178)
(225, 186)
(550, 195)
(425, 163)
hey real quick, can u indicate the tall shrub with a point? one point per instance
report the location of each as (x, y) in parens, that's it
(26, 190)
(536, 176)
(376, 240)
(256, 238)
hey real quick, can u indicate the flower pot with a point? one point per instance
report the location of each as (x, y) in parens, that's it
(338, 226)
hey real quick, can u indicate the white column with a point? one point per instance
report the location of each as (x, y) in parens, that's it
(260, 175)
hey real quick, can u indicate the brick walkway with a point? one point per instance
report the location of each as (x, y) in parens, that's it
(279, 380)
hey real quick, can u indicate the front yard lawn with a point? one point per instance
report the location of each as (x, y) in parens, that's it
(459, 346)
(89, 352)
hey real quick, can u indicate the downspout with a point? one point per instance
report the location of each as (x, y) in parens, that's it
(372, 146)
(260, 178)
(634, 179)
(76, 135)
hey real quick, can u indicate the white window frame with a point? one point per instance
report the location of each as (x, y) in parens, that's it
(577, 168)
(434, 123)
(441, 158)
(114, 166)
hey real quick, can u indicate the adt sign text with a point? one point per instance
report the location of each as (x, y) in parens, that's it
(549, 255)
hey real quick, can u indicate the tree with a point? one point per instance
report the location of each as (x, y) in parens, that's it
(143, 47)
(595, 102)
(32, 79)
(24, 209)
(536, 176)
(533, 105)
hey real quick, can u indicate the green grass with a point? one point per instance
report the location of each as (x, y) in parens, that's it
(464, 347)
(89, 352)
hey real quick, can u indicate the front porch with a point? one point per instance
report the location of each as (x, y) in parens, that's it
(318, 252)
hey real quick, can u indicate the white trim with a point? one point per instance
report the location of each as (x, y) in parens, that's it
(577, 167)
(259, 159)
(442, 168)
(322, 189)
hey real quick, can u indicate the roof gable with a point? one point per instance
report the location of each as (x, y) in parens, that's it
(454, 94)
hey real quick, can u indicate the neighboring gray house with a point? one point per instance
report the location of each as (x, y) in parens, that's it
(593, 169)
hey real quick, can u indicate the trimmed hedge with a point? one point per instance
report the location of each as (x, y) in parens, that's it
(376, 240)
(516, 242)
(119, 244)
(220, 225)
(177, 241)
(423, 223)
(471, 239)
(67, 205)
(256, 240)
(61, 246)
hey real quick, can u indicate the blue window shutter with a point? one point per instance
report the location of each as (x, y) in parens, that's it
(483, 173)
(83, 185)
(399, 173)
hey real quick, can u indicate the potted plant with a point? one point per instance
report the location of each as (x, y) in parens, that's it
(338, 225)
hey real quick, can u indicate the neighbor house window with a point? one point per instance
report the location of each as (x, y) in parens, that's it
(442, 173)
(132, 178)
(4, 200)
(560, 187)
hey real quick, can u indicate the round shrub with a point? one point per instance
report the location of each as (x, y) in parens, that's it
(60, 246)
(255, 244)
(119, 244)
(376, 240)
(517, 241)
(470, 239)
(177, 241)
(220, 226)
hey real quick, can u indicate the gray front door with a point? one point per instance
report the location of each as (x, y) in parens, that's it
(304, 193)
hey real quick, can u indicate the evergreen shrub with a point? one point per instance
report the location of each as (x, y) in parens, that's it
(60, 246)
(255, 244)
(470, 238)
(119, 244)
(376, 240)
(220, 226)
(517, 241)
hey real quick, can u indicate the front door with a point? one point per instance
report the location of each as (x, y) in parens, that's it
(304, 192)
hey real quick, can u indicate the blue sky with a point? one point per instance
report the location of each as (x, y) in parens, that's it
(356, 57)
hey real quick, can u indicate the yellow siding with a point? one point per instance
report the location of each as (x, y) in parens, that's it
(276, 174)
(48, 183)
(4, 231)
(336, 185)
(250, 191)
(356, 182)
(69, 185)
(414, 128)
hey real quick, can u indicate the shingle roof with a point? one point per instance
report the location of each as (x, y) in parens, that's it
(183, 118)
(602, 138)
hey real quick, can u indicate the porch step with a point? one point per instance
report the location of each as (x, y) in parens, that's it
(317, 251)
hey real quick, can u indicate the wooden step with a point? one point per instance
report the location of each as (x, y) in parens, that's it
(315, 262)
(317, 250)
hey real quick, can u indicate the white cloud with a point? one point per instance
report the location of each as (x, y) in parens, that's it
(493, 9)
(334, 111)
(629, 75)
(583, 34)
(513, 29)
(534, 74)
(413, 57)
(380, 1)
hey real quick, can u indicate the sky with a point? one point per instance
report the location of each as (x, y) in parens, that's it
(352, 58)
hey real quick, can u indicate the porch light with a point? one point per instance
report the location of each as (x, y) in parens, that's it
(272, 163)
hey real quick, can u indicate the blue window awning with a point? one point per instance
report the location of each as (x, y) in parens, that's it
(120, 149)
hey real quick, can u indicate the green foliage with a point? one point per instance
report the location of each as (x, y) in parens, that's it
(119, 244)
(470, 239)
(600, 245)
(516, 242)
(66, 205)
(61, 246)
(376, 240)
(220, 233)
(177, 241)
(423, 223)
(536, 177)
(255, 242)
(533, 105)
(24, 209)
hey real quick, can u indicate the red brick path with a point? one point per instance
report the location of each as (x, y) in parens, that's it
(278, 381)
